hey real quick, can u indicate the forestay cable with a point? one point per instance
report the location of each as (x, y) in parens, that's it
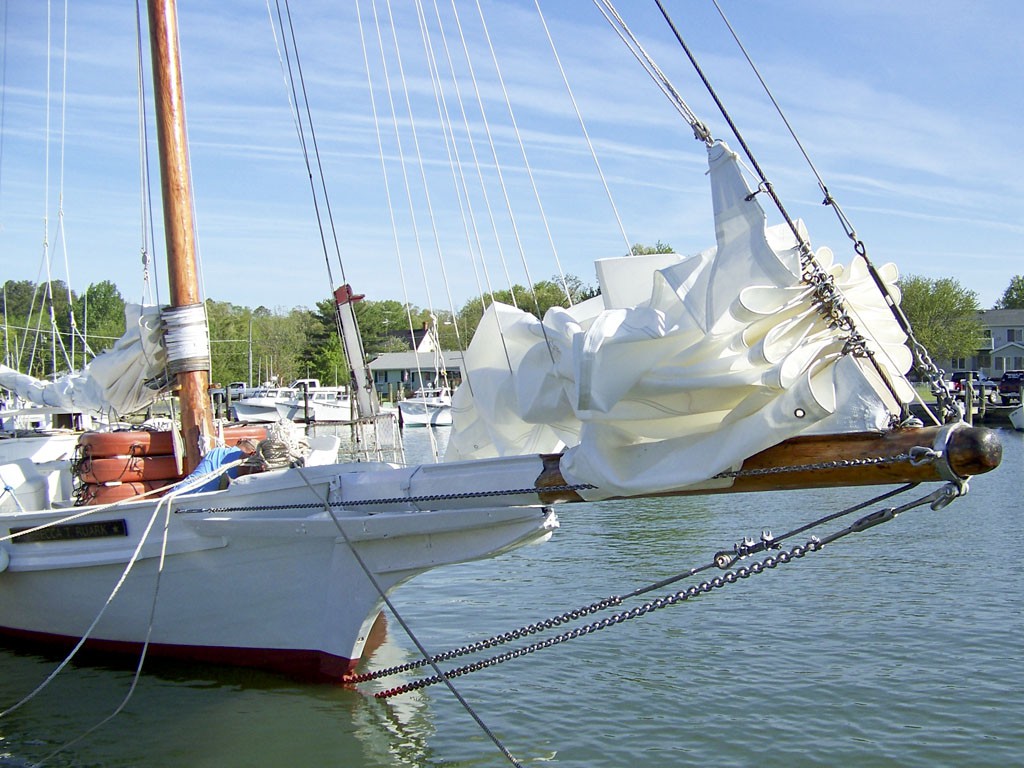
(586, 134)
(723, 560)
(922, 360)
(324, 502)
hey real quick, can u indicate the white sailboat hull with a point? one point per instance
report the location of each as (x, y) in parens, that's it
(422, 414)
(297, 410)
(256, 410)
(1017, 418)
(256, 575)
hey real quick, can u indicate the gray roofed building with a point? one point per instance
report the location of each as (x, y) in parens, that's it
(1002, 348)
(397, 373)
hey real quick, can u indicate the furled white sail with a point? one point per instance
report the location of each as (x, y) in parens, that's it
(123, 379)
(683, 367)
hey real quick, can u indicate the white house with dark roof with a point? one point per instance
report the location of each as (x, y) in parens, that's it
(1003, 347)
(396, 374)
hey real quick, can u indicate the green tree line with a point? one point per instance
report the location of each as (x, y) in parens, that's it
(47, 328)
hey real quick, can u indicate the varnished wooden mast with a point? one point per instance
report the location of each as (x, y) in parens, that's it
(193, 395)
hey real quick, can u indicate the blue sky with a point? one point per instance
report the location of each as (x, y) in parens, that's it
(911, 112)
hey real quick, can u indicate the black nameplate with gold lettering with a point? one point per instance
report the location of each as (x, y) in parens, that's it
(98, 529)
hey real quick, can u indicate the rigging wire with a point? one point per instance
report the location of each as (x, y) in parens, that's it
(150, 277)
(499, 248)
(289, 53)
(61, 228)
(355, 357)
(385, 598)
(618, 24)
(473, 237)
(3, 118)
(586, 136)
(384, 171)
(476, 157)
(828, 298)
(406, 184)
(454, 163)
(425, 191)
(435, 77)
(921, 359)
(529, 171)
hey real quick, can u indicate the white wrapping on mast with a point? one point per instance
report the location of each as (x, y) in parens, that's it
(683, 367)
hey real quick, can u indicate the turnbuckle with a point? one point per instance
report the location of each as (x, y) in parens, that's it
(726, 559)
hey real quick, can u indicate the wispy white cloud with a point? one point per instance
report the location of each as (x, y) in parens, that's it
(910, 110)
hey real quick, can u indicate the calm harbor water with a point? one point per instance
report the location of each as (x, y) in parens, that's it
(899, 646)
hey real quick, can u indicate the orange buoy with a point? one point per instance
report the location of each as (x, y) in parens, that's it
(97, 493)
(145, 443)
(127, 469)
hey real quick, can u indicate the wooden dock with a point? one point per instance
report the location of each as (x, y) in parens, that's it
(986, 414)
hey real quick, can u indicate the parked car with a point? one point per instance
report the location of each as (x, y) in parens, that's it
(1010, 386)
(233, 391)
(983, 385)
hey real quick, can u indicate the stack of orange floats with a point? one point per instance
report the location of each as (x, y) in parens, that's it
(114, 466)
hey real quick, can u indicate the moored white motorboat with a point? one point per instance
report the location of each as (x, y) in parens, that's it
(430, 406)
(262, 405)
(1017, 418)
(318, 403)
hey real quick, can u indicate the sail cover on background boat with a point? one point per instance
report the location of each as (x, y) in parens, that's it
(725, 356)
(123, 379)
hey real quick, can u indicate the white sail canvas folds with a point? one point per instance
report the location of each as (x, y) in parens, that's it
(684, 366)
(120, 380)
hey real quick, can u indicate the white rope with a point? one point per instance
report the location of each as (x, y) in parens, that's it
(583, 127)
(526, 165)
(383, 163)
(171, 492)
(186, 338)
(180, 488)
(382, 593)
(85, 636)
(612, 16)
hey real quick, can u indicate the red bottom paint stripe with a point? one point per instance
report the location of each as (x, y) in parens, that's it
(302, 665)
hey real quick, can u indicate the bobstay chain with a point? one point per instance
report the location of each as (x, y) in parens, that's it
(725, 560)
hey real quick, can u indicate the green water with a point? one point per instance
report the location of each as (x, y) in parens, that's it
(900, 646)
